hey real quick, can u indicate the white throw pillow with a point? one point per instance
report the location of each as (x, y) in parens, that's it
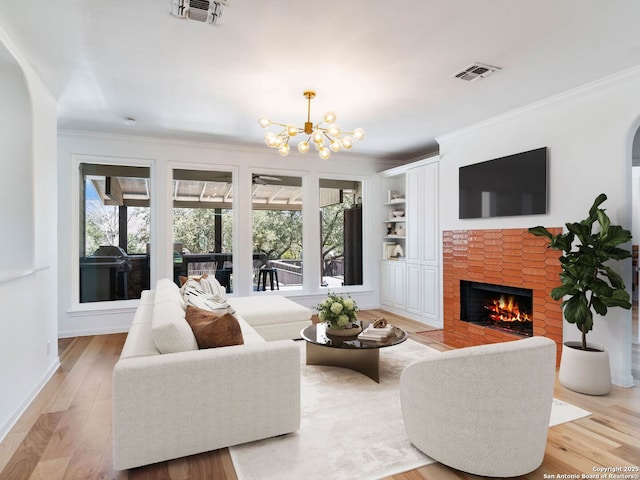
(190, 283)
(199, 299)
(211, 286)
(167, 291)
(169, 329)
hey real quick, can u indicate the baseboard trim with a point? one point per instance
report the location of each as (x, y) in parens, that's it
(623, 380)
(93, 331)
(13, 419)
(412, 316)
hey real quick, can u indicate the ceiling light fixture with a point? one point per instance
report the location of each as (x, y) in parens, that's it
(325, 135)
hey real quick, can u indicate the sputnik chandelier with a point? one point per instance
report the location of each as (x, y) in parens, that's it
(325, 135)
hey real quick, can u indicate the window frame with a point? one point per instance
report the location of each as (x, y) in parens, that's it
(367, 231)
(235, 214)
(305, 184)
(76, 160)
(357, 200)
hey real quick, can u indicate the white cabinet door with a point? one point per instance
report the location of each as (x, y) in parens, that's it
(399, 285)
(422, 214)
(386, 283)
(429, 215)
(430, 293)
(414, 290)
(414, 214)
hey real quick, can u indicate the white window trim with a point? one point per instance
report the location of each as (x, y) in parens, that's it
(368, 232)
(205, 167)
(306, 178)
(76, 160)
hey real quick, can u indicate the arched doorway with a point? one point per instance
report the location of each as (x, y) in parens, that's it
(635, 230)
(16, 194)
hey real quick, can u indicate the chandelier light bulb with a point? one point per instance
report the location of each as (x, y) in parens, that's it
(336, 146)
(284, 150)
(318, 137)
(329, 117)
(264, 121)
(347, 142)
(358, 134)
(271, 139)
(334, 130)
(324, 153)
(292, 130)
(303, 147)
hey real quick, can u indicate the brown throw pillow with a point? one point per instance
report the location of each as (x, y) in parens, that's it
(212, 329)
(183, 280)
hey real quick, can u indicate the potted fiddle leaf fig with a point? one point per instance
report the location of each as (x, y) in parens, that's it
(588, 286)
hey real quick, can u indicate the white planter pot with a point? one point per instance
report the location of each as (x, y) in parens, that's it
(585, 371)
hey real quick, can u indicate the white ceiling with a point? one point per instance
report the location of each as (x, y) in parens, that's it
(384, 66)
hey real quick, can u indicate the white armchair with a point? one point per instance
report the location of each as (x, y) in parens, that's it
(482, 410)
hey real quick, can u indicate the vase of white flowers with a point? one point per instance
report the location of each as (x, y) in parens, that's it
(339, 313)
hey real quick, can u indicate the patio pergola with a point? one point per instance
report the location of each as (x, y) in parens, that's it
(124, 187)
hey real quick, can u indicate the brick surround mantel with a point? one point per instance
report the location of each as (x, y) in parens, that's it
(511, 257)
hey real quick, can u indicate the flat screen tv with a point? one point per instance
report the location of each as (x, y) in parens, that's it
(506, 186)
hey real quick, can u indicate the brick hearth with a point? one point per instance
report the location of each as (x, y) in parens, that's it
(511, 257)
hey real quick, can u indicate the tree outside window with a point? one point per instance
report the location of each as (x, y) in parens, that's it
(341, 232)
(115, 232)
(277, 229)
(203, 225)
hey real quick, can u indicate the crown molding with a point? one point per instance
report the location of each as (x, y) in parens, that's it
(254, 149)
(158, 140)
(543, 103)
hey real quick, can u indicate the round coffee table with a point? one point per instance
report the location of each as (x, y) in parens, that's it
(363, 356)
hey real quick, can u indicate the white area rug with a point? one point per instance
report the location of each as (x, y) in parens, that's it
(351, 426)
(562, 412)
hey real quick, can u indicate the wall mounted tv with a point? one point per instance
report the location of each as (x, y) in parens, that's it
(506, 186)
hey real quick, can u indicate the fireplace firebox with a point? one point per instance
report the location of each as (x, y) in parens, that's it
(499, 307)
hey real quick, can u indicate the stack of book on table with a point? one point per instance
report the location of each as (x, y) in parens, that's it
(375, 334)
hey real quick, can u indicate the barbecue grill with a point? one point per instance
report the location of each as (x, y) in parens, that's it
(103, 275)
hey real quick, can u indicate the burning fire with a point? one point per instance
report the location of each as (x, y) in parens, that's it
(506, 310)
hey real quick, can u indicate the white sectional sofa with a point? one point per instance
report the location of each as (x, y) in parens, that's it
(171, 399)
(273, 317)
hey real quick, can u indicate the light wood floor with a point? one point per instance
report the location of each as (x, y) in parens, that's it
(66, 432)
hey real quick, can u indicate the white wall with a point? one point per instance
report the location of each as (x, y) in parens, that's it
(588, 133)
(163, 155)
(28, 308)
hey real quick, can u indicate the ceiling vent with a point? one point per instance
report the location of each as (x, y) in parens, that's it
(199, 10)
(475, 71)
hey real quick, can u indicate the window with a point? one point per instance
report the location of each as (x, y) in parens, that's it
(277, 232)
(203, 225)
(115, 226)
(341, 232)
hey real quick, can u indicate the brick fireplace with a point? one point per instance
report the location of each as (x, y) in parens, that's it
(510, 257)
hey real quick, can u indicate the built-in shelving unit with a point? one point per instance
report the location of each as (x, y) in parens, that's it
(395, 224)
(410, 269)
